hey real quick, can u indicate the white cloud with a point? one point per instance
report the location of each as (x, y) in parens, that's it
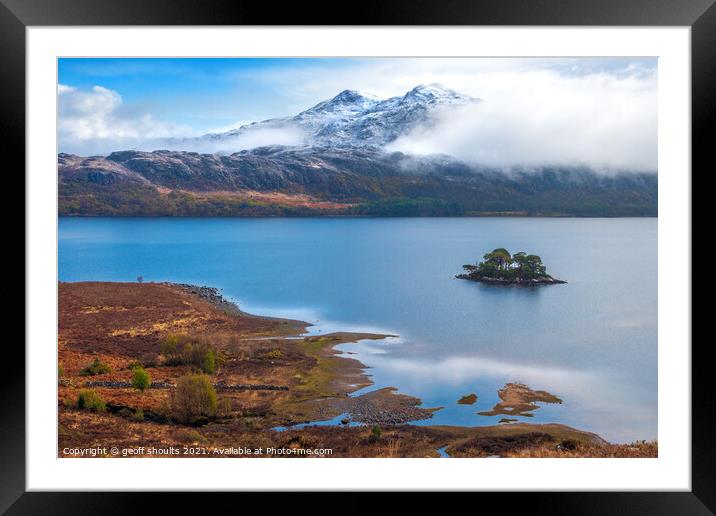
(457, 370)
(96, 121)
(607, 404)
(249, 138)
(544, 117)
(602, 113)
(598, 112)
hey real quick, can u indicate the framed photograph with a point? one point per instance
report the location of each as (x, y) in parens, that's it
(444, 248)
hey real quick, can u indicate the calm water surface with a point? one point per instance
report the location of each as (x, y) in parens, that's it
(593, 342)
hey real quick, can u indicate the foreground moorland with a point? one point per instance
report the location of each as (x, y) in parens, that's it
(154, 369)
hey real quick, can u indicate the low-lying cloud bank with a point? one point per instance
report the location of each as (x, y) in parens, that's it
(249, 138)
(544, 118)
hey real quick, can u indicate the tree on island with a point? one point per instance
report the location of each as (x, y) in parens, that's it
(499, 259)
(500, 265)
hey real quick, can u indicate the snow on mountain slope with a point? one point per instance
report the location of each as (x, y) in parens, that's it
(356, 120)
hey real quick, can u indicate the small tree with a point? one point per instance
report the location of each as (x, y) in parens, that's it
(376, 433)
(140, 378)
(95, 368)
(209, 362)
(520, 262)
(500, 264)
(88, 399)
(489, 269)
(140, 279)
(535, 264)
(182, 349)
(193, 398)
(500, 257)
(170, 349)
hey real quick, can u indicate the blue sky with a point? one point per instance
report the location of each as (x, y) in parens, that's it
(211, 93)
(204, 93)
(122, 102)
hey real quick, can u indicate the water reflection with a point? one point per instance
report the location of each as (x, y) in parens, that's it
(592, 342)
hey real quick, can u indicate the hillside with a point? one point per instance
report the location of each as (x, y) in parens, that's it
(335, 181)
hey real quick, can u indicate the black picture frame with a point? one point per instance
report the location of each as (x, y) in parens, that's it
(17, 15)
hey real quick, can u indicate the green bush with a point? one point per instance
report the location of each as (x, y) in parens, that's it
(138, 415)
(141, 379)
(88, 399)
(170, 346)
(96, 367)
(193, 398)
(376, 432)
(183, 350)
(208, 361)
(273, 354)
(60, 371)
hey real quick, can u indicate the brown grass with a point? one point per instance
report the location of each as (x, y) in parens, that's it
(640, 449)
(273, 198)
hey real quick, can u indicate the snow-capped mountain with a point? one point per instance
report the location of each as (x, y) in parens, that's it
(341, 165)
(353, 119)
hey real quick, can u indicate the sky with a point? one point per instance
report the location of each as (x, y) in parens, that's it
(597, 111)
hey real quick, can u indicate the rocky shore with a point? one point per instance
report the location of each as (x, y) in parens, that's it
(542, 280)
(382, 407)
(211, 294)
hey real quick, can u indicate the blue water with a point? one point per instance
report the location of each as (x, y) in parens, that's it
(443, 453)
(593, 341)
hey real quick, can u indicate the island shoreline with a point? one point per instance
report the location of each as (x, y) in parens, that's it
(516, 282)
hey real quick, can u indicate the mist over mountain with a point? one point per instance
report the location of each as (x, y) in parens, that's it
(350, 119)
(339, 158)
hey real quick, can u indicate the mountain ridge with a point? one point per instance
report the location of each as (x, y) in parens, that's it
(342, 168)
(353, 119)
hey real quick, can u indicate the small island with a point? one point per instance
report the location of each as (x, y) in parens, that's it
(502, 268)
(468, 399)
